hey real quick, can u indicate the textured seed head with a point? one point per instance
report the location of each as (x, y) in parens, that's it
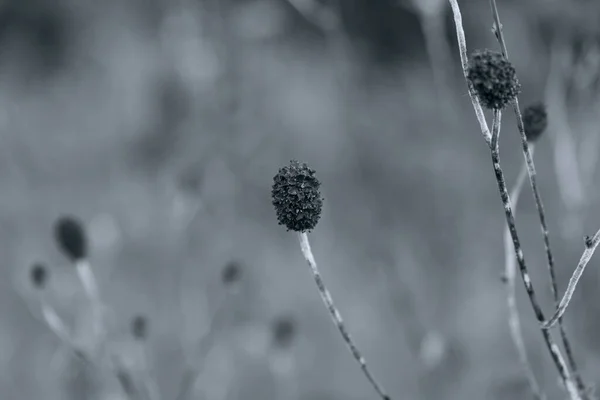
(231, 273)
(535, 121)
(494, 79)
(283, 331)
(296, 197)
(139, 327)
(70, 236)
(38, 275)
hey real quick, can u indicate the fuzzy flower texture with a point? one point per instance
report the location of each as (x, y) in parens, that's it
(296, 197)
(494, 79)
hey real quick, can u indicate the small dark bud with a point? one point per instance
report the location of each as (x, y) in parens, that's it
(504, 278)
(535, 121)
(494, 79)
(589, 242)
(296, 197)
(139, 327)
(231, 273)
(70, 236)
(283, 331)
(38, 275)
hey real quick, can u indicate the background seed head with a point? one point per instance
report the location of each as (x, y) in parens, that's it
(231, 273)
(535, 121)
(70, 237)
(296, 197)
(494, 79)
(139, 327)
(38, 275)
(283, 329)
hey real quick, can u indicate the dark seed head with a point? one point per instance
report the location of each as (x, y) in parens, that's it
(139, 327)
(296, 197)
(38, 275)
(283, 331)
(70, 236)
(494, 79)
(535, 121)
(231, 273)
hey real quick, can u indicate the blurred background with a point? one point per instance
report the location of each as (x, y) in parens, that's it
(160, 123)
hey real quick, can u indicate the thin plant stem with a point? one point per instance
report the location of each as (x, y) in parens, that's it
(335, 314)
(198, 361)
(510, 220)
(464, 59)
(90, 287)
(590, 247)
(540, 208)
(510, 273)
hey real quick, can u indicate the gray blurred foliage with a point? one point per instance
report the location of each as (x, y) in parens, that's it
(161, 123)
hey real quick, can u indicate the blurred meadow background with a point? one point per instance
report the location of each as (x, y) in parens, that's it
(161, 123)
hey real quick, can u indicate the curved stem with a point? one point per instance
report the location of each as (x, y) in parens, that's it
(335, 314)
(462, 45)
(590, 247)
(510, 273)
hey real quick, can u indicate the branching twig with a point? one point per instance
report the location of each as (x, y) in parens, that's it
(539, 205)
(510, 219)
(510, 273)
(590, 247)
(552, 347)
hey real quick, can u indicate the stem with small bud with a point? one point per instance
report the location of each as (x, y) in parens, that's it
(540, 207)
(335, 314)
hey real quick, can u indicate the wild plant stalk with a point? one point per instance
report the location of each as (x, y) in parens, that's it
(298, 204)
(591, 243)
(540, 208)
(335, 314)
(509, 92)
(510, 273)
(510, 219)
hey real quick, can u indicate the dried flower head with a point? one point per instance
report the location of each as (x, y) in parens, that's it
(231, 273)
(283, 331)
(38, 275)
(535, 121)
(139, 327)
(70, 236)
(296, 197)
(494, 79)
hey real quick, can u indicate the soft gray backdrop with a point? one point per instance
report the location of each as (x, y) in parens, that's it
(161, 124)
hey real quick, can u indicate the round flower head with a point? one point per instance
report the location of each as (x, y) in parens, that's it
(231, 273)
(139, 327)
(494, 79)
(70, 236)
(296, 197)
(535, 121)
(38, 275)
(283, 331)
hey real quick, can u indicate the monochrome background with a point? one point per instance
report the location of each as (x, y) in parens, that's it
(161, 123)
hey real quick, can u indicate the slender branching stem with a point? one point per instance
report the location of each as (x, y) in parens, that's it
(462, 45)
(590, 247)
(198, 360)
(510, 274)
(510, 219)
(335, 314)
(540, 207)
